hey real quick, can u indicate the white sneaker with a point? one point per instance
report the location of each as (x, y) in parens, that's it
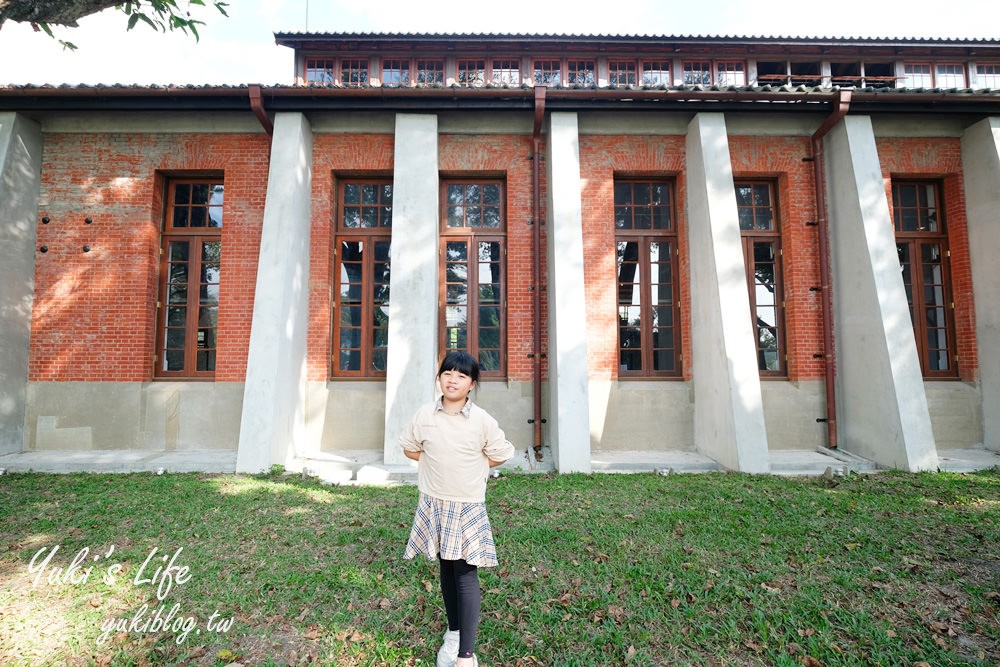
(448, 653)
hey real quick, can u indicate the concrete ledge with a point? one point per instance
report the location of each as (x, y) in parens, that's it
(365, 467)
(120, 461)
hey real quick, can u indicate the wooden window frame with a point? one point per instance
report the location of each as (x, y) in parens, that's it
(328, 66)
(402, 66)
(749, 239)
(625, 231)
(462, 69)
(687, 71)
(993, 75)
(369, 236)
(618, 68)
(424, 66)
(915, 241)
(542, 71)
(961, 74)
(662, 67)
(195, 237)
(722, 66)
(505, 71)
(576, 66)
(908, 76)
(355, 67)
(472, 236)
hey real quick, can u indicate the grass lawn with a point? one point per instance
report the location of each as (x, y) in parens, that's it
(709, 569)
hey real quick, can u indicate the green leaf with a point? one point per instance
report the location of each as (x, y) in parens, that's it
(132, 20)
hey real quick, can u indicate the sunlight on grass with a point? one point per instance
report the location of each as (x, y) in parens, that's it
(235, 486)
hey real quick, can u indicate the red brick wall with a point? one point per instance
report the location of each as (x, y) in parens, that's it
(941, 159)
(780, 159)
(94, 313)
(601, 158)
(505, 156)
(356, 155)
(94, 316)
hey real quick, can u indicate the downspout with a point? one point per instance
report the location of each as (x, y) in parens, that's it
(536, 286)
(257, 106)
(823, 228)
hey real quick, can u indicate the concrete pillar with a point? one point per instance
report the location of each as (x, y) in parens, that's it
(274, 395)
(20, 179)
(569, 400)
(881, 404)
(981, 166)
(413, 288)
(728, 408)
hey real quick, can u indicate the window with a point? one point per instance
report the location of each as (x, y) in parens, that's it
(395, 73)
(772, 72)
(917, 75)
(473, 256)
(622, 73)
(648, 306)
(922, 245)
(697, 73)
(354, 72)
(507, 72)
(361, 308)
(429, 72)
(188, 309)
(656, 73)
(319, 71)
(805, 74)
(949, 75)
(758, 216)
(547, 73)
(581, 72)
(988, 76)
(471, 72)
(731, 73)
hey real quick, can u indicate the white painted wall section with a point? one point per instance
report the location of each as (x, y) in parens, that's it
(20, 180)
(413, 284)
(569, 421)
(981, 166)
(272, 425)
(728, 408)
(882, 408)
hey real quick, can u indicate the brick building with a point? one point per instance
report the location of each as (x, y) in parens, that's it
(720, 245)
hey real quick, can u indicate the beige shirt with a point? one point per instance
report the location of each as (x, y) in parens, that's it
(456, 450)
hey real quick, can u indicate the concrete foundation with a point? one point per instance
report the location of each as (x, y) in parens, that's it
(149, 416)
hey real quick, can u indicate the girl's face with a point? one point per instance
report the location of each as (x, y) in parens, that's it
(455, 385)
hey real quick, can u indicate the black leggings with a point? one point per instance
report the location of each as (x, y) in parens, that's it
(462, 597)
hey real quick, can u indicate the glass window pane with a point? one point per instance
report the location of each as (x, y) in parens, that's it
(489, 360)
(182, 193)
(350, 360)
(208, 316)
(350, 316)
(175, 338)
(350, 337)
(173, 360)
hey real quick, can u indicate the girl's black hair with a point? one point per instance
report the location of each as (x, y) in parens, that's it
(463, 362)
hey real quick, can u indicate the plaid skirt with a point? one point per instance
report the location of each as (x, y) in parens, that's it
(452, 530)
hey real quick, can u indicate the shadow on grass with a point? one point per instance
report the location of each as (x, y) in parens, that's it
(595, 570)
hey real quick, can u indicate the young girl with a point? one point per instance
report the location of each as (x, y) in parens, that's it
(455, 443)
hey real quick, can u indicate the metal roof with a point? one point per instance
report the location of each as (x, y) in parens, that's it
(97, 98)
